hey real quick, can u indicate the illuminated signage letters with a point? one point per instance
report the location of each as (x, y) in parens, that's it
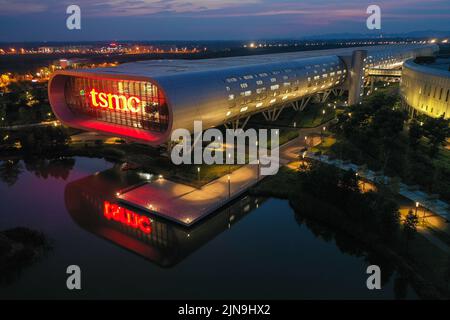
(126, 217)
(115, 101)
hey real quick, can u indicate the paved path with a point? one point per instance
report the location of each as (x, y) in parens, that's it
(187, 205)
(436, 206)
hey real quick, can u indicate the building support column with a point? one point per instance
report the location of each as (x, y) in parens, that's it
(357, 77)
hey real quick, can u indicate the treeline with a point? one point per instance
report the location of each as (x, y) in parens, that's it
(34, 141)
(374, 213)
(24, 103)
(379, 134)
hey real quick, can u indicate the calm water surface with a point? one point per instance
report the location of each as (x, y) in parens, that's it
(257, 248)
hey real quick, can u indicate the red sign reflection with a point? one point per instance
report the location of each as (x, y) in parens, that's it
(126, 217)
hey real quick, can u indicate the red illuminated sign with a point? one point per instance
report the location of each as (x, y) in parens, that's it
(126, 217)
(115, 101)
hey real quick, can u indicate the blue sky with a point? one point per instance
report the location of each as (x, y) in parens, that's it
(44, 20)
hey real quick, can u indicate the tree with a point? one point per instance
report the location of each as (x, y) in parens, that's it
(415, 134)
(10, 171)
(437, 130)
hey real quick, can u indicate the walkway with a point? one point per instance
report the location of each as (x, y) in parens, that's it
(187, 205)
(412, 193)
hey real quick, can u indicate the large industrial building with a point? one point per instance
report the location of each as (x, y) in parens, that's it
(425, 88)
(145, 101)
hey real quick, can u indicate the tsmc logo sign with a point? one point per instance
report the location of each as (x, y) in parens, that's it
(126, 217)
(115, 101)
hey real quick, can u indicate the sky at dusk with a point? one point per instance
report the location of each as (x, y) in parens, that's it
(45, 20)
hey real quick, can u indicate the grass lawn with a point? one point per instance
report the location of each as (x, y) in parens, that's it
(153, 163)
(327, 143)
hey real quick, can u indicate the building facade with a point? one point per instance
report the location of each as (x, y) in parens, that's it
(425, 89)
(145, 101)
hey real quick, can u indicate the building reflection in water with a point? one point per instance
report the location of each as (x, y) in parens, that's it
(91, 203)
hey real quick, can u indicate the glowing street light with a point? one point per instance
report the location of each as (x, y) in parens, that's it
(198, 174)
(257, 176)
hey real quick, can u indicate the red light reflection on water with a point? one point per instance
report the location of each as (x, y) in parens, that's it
(126, 217)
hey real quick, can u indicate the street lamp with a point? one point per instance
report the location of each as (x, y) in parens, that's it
(198, 174)
(417, 207)
(323, 131)
(229, 187)
(258, 168)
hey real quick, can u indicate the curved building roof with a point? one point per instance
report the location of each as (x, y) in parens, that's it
(147, 100)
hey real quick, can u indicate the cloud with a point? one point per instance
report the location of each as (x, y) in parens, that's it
(315, 12)
(120, 7)
(16, 7)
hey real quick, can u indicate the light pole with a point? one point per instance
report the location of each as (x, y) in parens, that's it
(198, 174)
(417, 207)
(257, 153)
(257, 173)
(229, 187)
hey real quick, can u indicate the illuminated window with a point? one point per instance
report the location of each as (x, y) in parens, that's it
(104, 100)
(260, 90)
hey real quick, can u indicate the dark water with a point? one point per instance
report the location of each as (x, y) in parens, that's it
(256, 248)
